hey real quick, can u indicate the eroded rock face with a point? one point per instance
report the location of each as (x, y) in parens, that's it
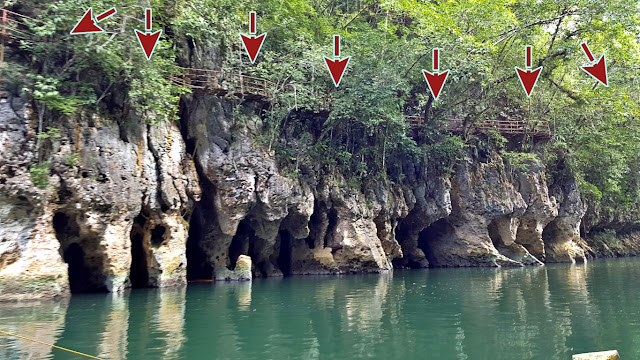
(481, 192)
(246, 198)
(352, 233)
(541, 209)
(429, 200)
(30, 265)
(116, 211)
(562, 235)
(97, 179)
(250, 209)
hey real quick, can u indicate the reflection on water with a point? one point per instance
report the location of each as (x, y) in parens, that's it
(546, 312)
(34, 320)
(113, 342)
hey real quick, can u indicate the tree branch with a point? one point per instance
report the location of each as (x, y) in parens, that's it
(566, 91)
(506, 34)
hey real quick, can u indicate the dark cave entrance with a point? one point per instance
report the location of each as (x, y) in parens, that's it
(139, 272)
(494, 234)
(198, 266)
(157, 236)
(549, 233)
(78, 272)
(82, 255)
(242, 243)
(332, 217)
(431, 236)
(284, 253)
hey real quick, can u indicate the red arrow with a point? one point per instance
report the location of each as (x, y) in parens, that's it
(86, 25)
(435, 80)
(597, 69)
(528, 77)
(148, 40)
(336, 66)
(252, 43)
(107, 14)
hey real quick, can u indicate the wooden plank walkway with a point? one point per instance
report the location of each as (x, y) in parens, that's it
(223, 82)
(506, 127)
(13, 27)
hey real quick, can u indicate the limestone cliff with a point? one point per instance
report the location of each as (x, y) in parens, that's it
(108, 211)
(123, 202)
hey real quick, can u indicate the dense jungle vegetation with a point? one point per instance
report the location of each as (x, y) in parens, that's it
(359, 128)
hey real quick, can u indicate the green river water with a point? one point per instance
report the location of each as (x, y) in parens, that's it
(545, 312)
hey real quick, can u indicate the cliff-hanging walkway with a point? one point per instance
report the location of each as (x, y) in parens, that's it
(13, 28)
(506, 127)
(220, 83)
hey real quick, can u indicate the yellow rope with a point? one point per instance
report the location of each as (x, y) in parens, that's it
(54, 346)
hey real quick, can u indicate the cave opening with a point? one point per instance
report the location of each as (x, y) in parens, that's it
(198, 266)
(548, 233)
(81, 253)
(332, 216)
(61, 225)
(139, 272)
(284, 254)
(404, 230)
(315, 225)
(78, 271)
(157, 236)
(430, 237)
(494, 234)
(549, 238)
(242, 240)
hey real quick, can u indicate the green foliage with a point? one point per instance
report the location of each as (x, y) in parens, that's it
(607, 242)
(496, 139)
(51, 133)
(521, 161)
(81, 71)
(12, 76)
(45, 90)
(590, 191)
(40, 175)
(443, 155)
(72, 160)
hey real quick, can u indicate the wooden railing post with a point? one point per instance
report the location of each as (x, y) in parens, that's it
(4, 34)
(241, 85)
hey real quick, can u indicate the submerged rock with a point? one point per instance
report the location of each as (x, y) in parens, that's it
(602, 355)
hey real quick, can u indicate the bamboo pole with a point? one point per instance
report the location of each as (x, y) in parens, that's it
(4, 34)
